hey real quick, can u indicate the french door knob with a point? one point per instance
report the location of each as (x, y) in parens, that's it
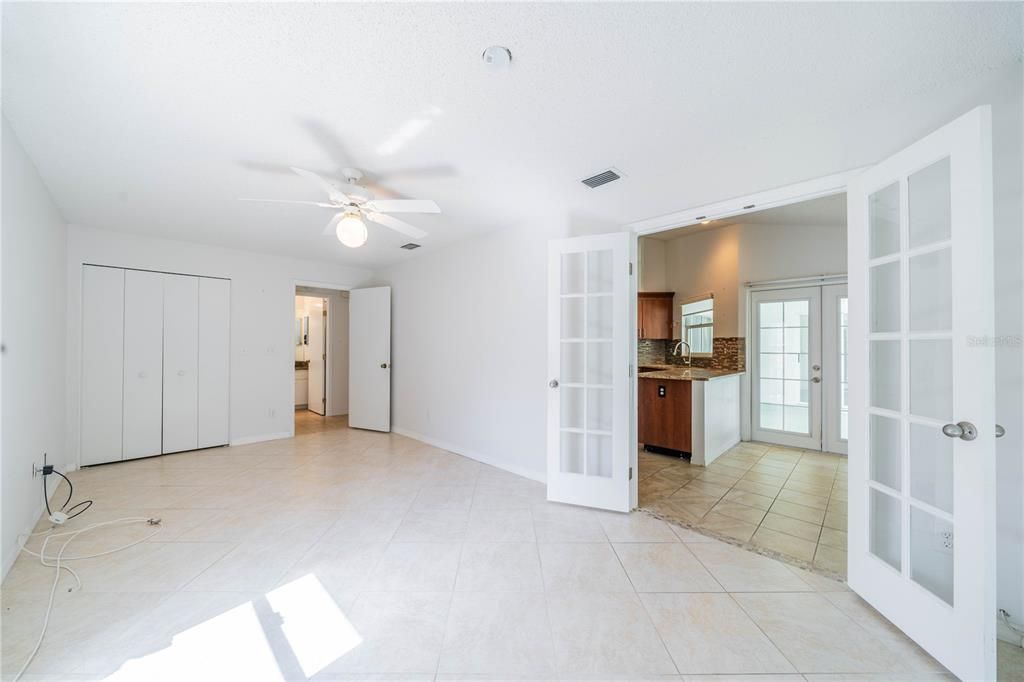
(961, 430)
(816, 367)
(1000, 431)
(816, 380)
(383, 365)
(553, 383)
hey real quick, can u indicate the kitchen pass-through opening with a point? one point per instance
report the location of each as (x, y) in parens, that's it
(741, 381)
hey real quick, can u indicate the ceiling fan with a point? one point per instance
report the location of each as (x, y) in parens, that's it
(355, 204)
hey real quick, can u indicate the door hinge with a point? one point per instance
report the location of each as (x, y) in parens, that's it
(631, 473)
(631, 268)
(325, 356)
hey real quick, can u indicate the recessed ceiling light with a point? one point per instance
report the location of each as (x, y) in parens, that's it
(497, 57)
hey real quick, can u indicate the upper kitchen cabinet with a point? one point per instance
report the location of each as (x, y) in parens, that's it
(654, 314)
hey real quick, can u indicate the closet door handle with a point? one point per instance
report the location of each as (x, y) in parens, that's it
(181, 372)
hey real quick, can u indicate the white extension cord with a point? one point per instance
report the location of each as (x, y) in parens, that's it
(1013, 627)
(58, 564)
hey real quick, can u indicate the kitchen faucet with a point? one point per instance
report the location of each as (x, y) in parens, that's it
(676, 351)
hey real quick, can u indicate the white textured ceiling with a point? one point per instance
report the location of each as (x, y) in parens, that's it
(154, 118)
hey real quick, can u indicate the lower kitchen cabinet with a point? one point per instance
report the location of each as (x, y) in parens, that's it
(665, 414)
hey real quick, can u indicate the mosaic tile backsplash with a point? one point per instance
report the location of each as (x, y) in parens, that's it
(727, 353)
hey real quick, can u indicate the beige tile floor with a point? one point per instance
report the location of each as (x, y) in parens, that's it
(788, 501)
(342, 554)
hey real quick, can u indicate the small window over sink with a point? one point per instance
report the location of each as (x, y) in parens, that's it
(699, 324)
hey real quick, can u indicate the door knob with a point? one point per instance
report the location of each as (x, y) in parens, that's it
(1000, 431)
(181, 372)
(553, 383)
(383, 365)
(961, 430)
(816, 380)
(816, 367)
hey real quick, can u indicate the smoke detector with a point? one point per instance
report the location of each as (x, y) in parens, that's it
(497, 57)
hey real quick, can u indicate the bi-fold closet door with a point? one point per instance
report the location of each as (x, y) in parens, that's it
(155, 351)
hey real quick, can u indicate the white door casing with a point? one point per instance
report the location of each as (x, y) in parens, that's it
(785, 343)
(589, 380)
(316, 400)
(370, 359)
(922, 512)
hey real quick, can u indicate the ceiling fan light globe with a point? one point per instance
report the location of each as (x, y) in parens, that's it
(351, 231)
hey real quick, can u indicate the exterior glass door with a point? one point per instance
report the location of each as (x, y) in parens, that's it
(786, 382)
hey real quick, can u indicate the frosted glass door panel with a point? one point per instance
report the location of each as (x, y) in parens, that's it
(102, 364)
(181, 363)
(587, 327)
(589, 333)
(143, 363)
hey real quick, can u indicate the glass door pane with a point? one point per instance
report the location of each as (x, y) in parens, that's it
(786, 339)
(910, 377)
(585, 394)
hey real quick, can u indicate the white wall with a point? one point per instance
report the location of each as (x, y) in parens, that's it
(33, 242)
(470, 367)
(721, 260)
(468, 349)
(262, 319)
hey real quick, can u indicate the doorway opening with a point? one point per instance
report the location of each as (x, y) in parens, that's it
(321, 339)
(741, 388)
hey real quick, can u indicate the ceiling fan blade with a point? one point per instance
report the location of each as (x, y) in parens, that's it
(323, 183)
(290, 201)
(403, 206)
(333, 225)
(396, 225)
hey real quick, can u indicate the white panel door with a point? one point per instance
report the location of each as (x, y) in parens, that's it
(102, 363)
(316, 386)
(181, 362)
(369, 354)
(143, 363)
(214, 361)
(922, 514)
(786, 347)
(589, 330)
(835, 410)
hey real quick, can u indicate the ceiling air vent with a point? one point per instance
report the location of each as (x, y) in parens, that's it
(410, 246)
(602, 178)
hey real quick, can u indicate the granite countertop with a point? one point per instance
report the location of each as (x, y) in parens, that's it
(677, 373)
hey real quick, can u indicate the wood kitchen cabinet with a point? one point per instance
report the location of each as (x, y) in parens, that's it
(654, 314)
(665, 414)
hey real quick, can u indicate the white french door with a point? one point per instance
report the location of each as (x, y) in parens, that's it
(589, 379)
(786, 388)
(922, 418)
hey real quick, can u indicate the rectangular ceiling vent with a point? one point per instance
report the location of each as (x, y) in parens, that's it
(410, 246)
(602, 178)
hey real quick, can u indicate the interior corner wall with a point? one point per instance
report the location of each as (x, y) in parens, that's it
(33, 242)
(469, 358)
(262, 372)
